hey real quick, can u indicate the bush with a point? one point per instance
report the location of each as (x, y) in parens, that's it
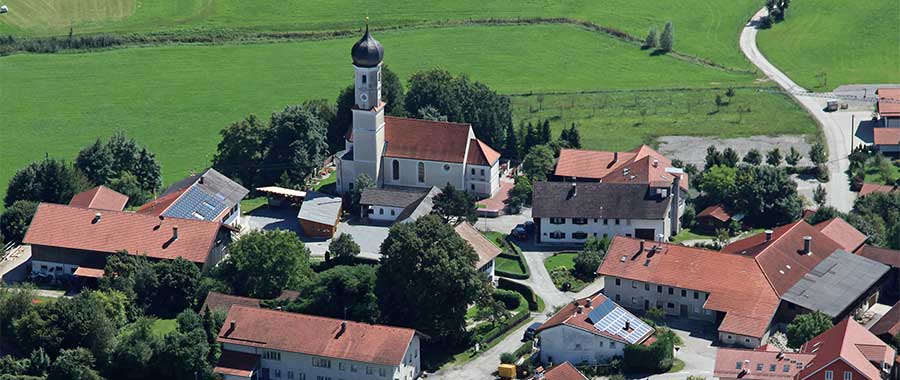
(510, 299)
(657, 357)
(507, 358)
(522, 289)
(502, 327)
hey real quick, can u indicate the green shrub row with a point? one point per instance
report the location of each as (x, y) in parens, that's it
(502, 327)
(510, 299)
(524, 290)
(657, 357)
(512, 252)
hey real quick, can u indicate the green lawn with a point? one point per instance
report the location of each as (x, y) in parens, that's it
(327, 181)
(565, 260)
(690, 234)
(508, 265)
(161, 327)
(873, 173)
(850, 41)
(702, 29)
(250, 204)
(561, 267)
(495, 237)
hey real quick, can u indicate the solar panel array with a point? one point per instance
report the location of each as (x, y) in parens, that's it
(611, 318)
(196, 204)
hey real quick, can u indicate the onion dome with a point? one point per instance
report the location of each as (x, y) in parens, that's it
(367, 52)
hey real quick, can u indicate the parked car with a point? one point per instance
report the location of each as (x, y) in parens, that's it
(519, 232)
(529, 332)
(529, 226)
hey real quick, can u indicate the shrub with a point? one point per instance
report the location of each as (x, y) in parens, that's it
(507, 358)
(657, 357)
(510, 299)
(522, 289)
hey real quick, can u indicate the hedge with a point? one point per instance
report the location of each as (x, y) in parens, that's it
(503, 327)
(656, 357)
(522, 289)
(512, 252)
(510, 299)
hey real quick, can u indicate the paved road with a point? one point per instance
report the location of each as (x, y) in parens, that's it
(837, 134)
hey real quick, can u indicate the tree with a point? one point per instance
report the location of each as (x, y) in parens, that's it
(571, 138)
(490, 309)
(531, 138)
(74, 364)
(392, 92)
(511, 151)
(824, 213)
(263, 264)
(730, 157)
(545, 135)
(597, 245)
(520, 194)
(718, 183)
(773, 157)
(538, 163)
(427, 254)
(817, 154)
(296, 146)
(588, 262)
(820, 196)
(655, 314)
(793, 157)
(128, 184)
(430, 113)
(49, 180)
(713, 157)
(124, 151)
(15, 220)
(688, 216)
(730, 94)
(148, 171)
(651, 41)
(667, 39)
(95, 161)
(38, 362)
(178, 281)
(767, 195)
(343, 119)
(346, 292)
(753, 157)
(343, 249)
(134, 352)
(240, 153)
(719, 102)
(807, 326)
(508, 358)
(184, 353)
(454, 206)
(363, 182)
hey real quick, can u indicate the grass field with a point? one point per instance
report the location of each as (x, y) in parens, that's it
(175, 99)
(702, 29)
(564, 260)
(849, 41)
(161, 327)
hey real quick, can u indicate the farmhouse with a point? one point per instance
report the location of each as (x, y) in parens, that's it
(846, 351)
(888, 107)
(891, 258)
(591, 330)
(266, 344)
(408, 152)
(204, 196)
(396, 204)
(869, 188)
(100, 198)
(483, 247)
(640, 165)
(66, 239)
(564, 371)
(715, 217)
(887, 140)
(319, 215)
(571, 212)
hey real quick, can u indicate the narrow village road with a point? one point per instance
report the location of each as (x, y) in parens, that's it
(837, 136)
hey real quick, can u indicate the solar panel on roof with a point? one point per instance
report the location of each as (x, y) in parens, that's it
(193, 202)
(612, 319)
(601, 310)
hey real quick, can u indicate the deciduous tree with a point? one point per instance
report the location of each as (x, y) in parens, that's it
(667, 39)
(15, 220)
(263, 264)
(343, 248)
(239, 155)
(538, 163)
(346, 292)
(95, 161)
(807, 326)
(455, 206)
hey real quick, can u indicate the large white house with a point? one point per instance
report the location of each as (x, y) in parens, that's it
(262, 344)
(591, 330)
(408, 152)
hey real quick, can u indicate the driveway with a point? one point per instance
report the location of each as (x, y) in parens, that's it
(837, 133)
(504, 223)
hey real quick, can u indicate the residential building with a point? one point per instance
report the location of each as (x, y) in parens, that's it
(564, 371)
(571, 212)
(869, 188)
(100, 198)
(208, 196)
(65, 239)
(270, 344)
(887, 140)
(319, 215)
(890, 291)
(486, 250)
(846, 351)
(390, 204)
(640, 165)
(848, 237)
(223, 302)
(591, 331)
(888, 326)
(715, 217)
(396, 151)
(888, 107)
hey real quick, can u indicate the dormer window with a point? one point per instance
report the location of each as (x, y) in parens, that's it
(364, 78)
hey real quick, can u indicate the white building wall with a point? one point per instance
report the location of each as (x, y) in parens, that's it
(436, 173)
(635, 295)
(731, 339)
(597, 227)
(384, 213)
(301, 365)
(483, 181)
(563, 343)
(489, 271)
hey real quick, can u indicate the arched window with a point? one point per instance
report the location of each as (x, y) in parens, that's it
(395, 170)
(421, 172)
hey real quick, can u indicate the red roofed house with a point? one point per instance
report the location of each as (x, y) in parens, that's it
(848, 237)
(266, 344)
(886, 140)
(564, 371)
(639, 165)
(715, 217)
(65, 239)
(101, 198)
(591, 330)
(889, 107)
(408, 152)
(484, 248)
(869, 188)
(847, 351)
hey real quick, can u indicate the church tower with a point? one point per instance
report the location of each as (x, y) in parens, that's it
(368, 109)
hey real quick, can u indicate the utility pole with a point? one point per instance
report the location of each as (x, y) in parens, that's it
(852, 123)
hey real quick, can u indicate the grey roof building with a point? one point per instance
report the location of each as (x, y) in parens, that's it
(397, 204)
(209, 196)
(837, 283)
(319, 214)
(597, 200)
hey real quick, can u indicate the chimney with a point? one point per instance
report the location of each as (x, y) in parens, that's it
(768, 235)
(580, 309)
(201, 180)
(342, 330)
(642, 247)
(97, 217)
(174, 233)
(587, 303)
(807, 240)
(233, 326)
(655, 163)
(615, 157)
(627, 325)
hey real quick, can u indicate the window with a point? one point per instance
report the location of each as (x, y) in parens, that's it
(759, 366)
(605, 222)
(787, 368)
(646, 287)
(579, 220)
(618, 282)
(557, 235)
(683, 293)
(737, 365)
(579, 235)
(350, 186)
(633, 284)
(612, 344)
(671, 291)
(353, 368)
(577, 346)
(482, 172)
(321, 363)
(557, 220)
(618, 298)
(627, 222)
(446, 167)
(323, 377)
(382, 372)
(473, 171)
(617, 222)
(627, 235)
(421, 172)
(847, 375)
(634, 300)
(271, 355)
(380, 211)
(395, 170)
(746, 340)
(277, 373)
(341, 366)
(772, 367)
(829, 375)
(659, 288)
(696, 294)
(670, 305)
(290, 374)
(392, 214)
(369, 370)
(472, 186)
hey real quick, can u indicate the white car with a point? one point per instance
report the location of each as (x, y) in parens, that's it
(3, 9)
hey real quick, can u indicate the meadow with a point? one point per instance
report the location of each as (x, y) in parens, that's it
(850, 42)
(702, 29)
(175, 99)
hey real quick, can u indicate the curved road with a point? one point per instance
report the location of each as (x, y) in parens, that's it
(838, 139)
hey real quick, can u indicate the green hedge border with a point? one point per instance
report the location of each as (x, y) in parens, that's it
(516, 255)
(535, 303)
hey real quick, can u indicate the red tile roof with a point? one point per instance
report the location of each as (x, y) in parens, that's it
(885, 256)
(843, 233)
(889, 102)
(161, 204)
(481, 154)
(75, 228)
(735, 284)
(869, 188)
(716, 211)
(236, 363)
(644, 165)
(727, 360)
(101, 198)
(568, 315)
(564, 371)
(224, 302)
(425, 139)
(483, 247)
(889, 324)
(886, 136)
(850, 342)
(307, 334)
(781, 259)
(88, 272)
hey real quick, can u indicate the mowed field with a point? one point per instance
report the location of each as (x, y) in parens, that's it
(176, 98)
(704, 28)
(851, 42)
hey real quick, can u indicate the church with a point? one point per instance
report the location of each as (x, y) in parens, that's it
(403, 152)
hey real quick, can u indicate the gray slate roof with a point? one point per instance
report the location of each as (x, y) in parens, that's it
(391, 197)
(208, 194)
(421, 208)
(597, 200)
(320, 208)
(835, 283)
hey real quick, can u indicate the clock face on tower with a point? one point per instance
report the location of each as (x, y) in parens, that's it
(363, 97)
